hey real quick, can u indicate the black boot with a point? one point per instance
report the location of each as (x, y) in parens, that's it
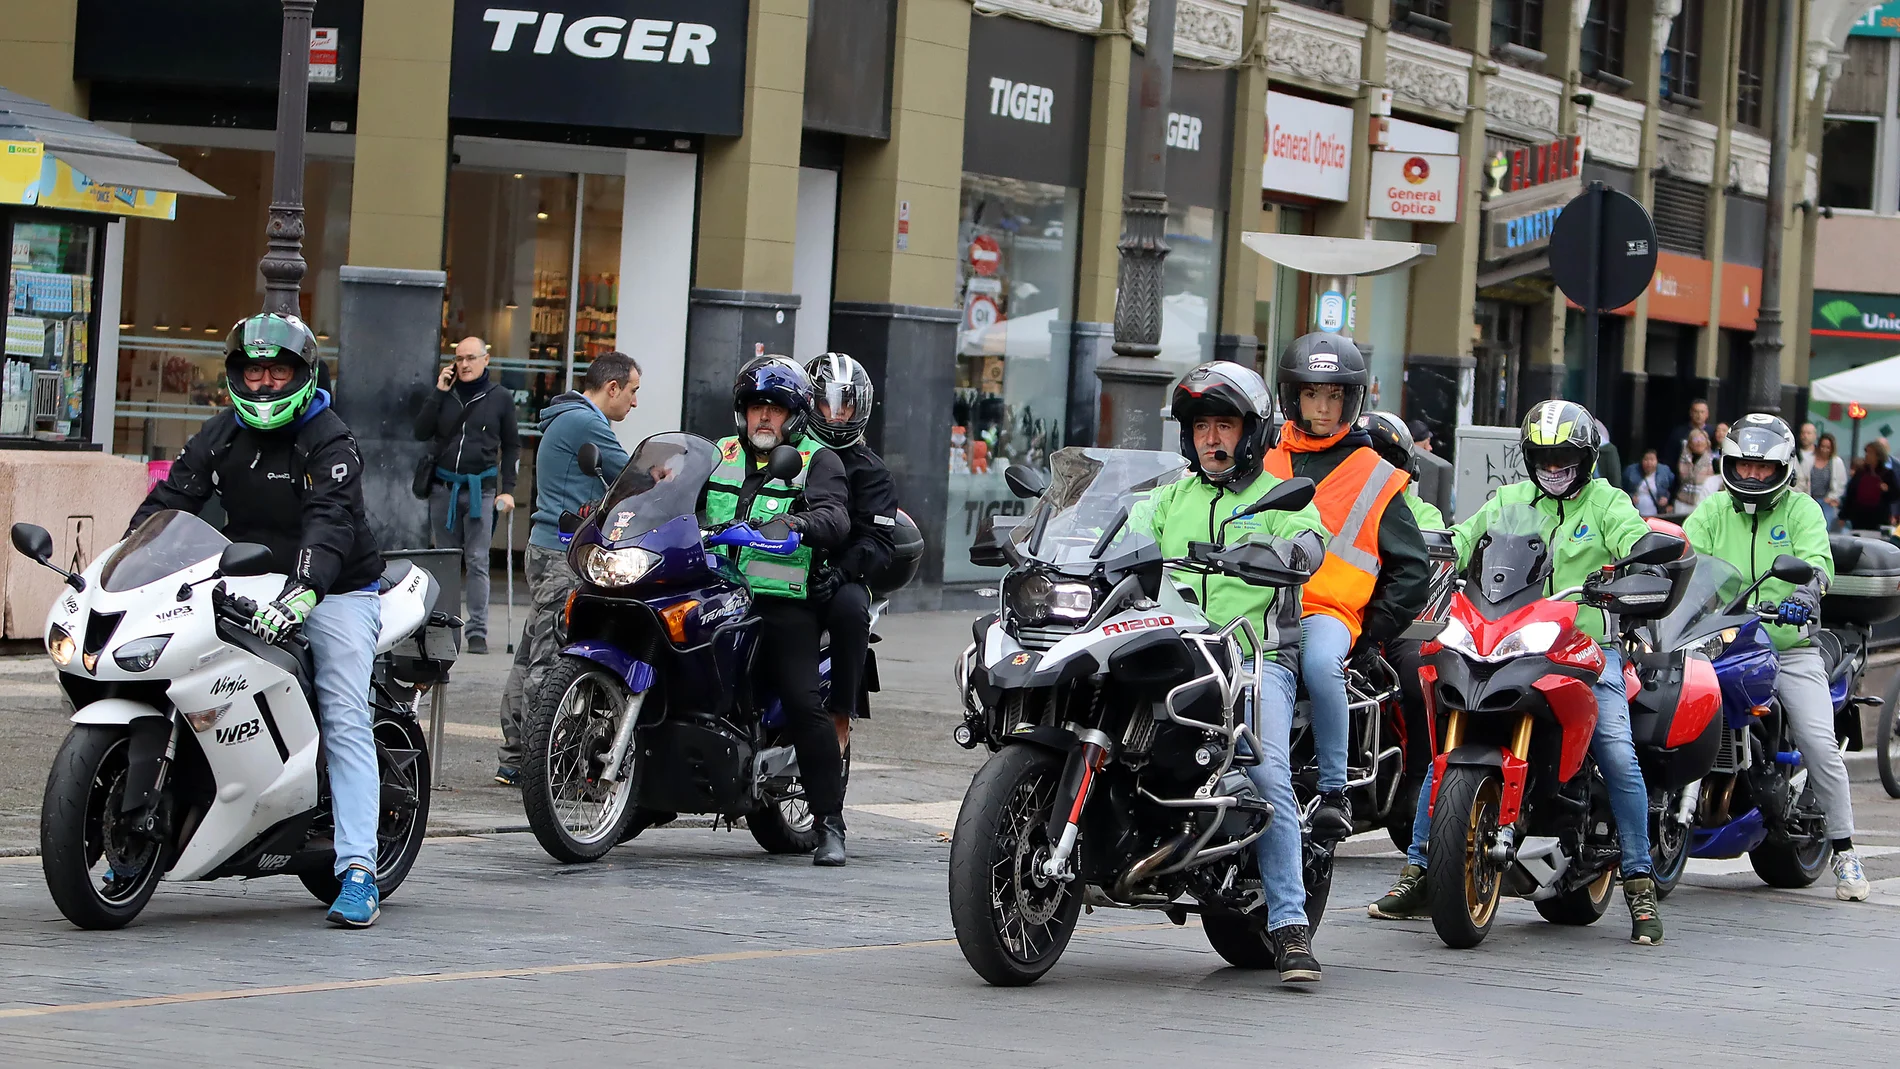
(1332, 818)
(830, 850)
(1293, 955)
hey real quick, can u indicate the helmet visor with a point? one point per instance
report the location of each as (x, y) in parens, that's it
(273, 338)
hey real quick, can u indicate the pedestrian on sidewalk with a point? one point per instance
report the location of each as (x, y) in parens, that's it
(570, 421)
(470, 421)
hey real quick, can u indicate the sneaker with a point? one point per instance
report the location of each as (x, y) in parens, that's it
(1645, 919)
(1293, 955)
(508, 777)
(1850, 881)
(1332, 818)
(1405, 901)
(358, 905)
(478, 644)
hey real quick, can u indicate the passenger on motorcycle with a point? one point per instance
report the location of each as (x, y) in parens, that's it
(1377, 574)
(289, 475)
(771, 405)
(1392, 440)
(1755, 518)
(1226, 416)
(1591, 524)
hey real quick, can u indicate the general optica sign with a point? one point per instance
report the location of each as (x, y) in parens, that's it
(1415, 186)
(1308, 149)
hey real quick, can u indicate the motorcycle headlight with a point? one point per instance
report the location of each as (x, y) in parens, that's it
(1713, 646)
(60, 646)
(1454, 636)
(1038, 598)
(617, 567)
(140, 654)
(1071, 601)
(1531, 638)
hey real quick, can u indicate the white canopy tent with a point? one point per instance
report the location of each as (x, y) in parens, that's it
(1876, 385)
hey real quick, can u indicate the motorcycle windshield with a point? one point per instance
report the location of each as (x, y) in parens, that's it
(1513, 556)
(165, 544)
(663, 480)
(1090, 491)
(1712, 587)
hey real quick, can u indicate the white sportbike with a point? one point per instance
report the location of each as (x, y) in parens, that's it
(194, 752)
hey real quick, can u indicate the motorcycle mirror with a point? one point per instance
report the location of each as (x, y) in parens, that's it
(240, 559)
(1025, 481)
(1290, 495)
(569, 522)
(1639, 596)
(588, 457)
(1788, 568)
(1654, 548)
(783, 463)
(33, 542)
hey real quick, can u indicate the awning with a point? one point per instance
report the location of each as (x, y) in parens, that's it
(1876, 385)
(99, 156)
(1337, 256)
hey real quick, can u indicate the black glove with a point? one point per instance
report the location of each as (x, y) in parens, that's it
(825, 582)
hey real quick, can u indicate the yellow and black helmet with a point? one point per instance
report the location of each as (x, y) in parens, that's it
(1560, 442)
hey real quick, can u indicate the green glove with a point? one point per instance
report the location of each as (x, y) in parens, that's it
(290, 609)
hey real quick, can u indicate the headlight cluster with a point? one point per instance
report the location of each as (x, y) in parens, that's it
(140, 654)
(1713, 646)
(1038, 598)
(1534, 637)
(60, 646)
(616, 567)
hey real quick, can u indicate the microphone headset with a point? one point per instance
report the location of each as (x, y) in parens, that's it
(1222, 454)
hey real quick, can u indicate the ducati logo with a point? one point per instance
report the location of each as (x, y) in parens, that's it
(1021, 658)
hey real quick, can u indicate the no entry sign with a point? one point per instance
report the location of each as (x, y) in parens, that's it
(985, 255)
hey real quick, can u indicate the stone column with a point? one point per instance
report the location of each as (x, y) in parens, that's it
(1642, 64)
(36, 52)
(1241, 267)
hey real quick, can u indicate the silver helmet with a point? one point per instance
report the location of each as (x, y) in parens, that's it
(1761, 437)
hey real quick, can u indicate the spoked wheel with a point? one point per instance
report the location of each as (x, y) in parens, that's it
(402, 763)
(1788, 864)
(1580, 905)
(100, 869)
(1462, 882)
(1887, 741)
(1012, 922)
(574, 813)
(1668, 845)
(784, 824)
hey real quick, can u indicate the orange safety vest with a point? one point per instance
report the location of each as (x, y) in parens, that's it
(1351, 501)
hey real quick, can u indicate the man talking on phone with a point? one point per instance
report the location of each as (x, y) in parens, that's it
(470, 420)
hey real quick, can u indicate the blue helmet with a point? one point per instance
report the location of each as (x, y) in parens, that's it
(773, 380)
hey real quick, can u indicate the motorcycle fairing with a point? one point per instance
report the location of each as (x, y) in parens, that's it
(1696, 708)
(1747, 667)
(638, 674)
(1737, 837)
(1574, 705)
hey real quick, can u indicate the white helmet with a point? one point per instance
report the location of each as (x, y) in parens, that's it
(1758, 437)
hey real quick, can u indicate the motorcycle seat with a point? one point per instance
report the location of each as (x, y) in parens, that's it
(394, 572)
(1833, 660)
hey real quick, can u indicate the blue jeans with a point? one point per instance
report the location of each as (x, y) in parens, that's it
(1616, 759)
(1282, 868)
(1324, 646)
(342, 631)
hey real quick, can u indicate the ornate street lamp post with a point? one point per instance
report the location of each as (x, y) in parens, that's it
(283, 263)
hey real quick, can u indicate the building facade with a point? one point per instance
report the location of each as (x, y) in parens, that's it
(935, 186)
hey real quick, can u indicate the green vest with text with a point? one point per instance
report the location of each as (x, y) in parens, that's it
(766, 574)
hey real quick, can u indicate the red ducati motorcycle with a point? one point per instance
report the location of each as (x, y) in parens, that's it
(1518, 805)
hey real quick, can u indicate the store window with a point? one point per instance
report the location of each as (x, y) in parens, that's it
(516, 245)
(1600, 53)
(1430, 19)
(1017, 286)
(1291, 289)
(1751, 63)
(1847, 162)
(1190, 286)
(1517, 30)
(186, 282)
(1682, 57)
(50, 285)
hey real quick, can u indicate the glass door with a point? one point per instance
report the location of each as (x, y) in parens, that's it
(48, 352)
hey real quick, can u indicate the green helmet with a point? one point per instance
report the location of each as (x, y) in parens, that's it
(271, 338)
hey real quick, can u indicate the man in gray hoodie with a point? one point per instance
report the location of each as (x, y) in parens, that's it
(569, 421)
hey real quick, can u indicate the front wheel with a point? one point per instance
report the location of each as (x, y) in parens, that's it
(100, 869)
(1783, 863)
(1887, 741)
(1012, 922)
(1580, 905)
(574, 813)
(1462, 883)
(402, 764)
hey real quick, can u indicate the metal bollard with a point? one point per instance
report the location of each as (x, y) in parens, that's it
(438, 712)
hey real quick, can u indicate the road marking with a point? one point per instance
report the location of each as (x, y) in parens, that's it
(190, 997)
(939, 815)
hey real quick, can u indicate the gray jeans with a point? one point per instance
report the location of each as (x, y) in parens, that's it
(550, 580)
(1802, 688)
(473, 535)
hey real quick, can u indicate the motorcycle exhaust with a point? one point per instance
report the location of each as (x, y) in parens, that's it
(623, 736)
(1168, 853)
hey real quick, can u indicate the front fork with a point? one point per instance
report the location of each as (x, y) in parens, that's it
(1065, 820)
(150, 751)
(615, 758)
(1514, 770)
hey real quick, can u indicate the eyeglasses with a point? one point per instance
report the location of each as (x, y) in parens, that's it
(470, 358)
(275, 374)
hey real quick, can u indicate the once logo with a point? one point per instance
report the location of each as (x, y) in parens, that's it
(1143, 624)
(1184, 132)
(237, 733)
(601, 36)
(1020, 100)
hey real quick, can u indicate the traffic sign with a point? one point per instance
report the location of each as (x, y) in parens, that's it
(985, 255)
(1602, 255)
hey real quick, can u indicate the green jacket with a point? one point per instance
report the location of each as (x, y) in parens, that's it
(1751, 543)
(1597, 527)
(1192, 509)
(1426, 513)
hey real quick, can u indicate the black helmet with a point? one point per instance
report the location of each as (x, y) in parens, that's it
(1320, 358)
(1758, 436)
(1392, 440)
(773, 380)
(269, 338)
(1224, 388)
(837, 381)
(1560, 442)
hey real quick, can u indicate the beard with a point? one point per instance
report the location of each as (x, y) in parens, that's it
(764, 439)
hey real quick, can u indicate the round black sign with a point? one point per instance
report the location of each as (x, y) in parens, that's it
(1606, 233)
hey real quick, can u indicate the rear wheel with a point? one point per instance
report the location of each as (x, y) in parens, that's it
(1012, 922)
(574, 813)
(99, 869)
(1581, 905)
(1462, 883)
(784, 824)
(1887, 741)
(1668, 845)
(402, 762)
(1788, 864)
(1242, 938)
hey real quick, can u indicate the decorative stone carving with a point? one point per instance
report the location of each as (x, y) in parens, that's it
(1660, 21)
(1686, 146)
(1314, 45)
(1203, 29)
(1820, 57)
(1748, 163)
(1427, 75)
(1520, 103)
(1613, 130)
(1071, 14)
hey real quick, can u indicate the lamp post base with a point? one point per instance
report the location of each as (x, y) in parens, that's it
(1133, 394)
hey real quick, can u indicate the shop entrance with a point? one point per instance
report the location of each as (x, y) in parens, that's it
(1500, 352)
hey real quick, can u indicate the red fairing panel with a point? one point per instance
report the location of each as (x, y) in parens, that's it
(1700, 700)
(1630, 683)
(1576, 710)
(1516, 770)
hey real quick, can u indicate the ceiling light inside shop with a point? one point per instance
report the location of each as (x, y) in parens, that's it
(126, 326)
(211, 330)
(160, 326)
(517, 174)
(540, 215)
(511, 306)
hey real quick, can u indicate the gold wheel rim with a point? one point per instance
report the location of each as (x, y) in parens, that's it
(1482, 883)
(1600, 888)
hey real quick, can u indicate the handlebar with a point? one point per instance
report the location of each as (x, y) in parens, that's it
(745, 536)
(238, 611)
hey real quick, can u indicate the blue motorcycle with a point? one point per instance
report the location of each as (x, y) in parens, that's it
(1754, 800)
(651, 710)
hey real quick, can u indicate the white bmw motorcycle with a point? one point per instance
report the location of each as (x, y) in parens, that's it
(194, 752)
